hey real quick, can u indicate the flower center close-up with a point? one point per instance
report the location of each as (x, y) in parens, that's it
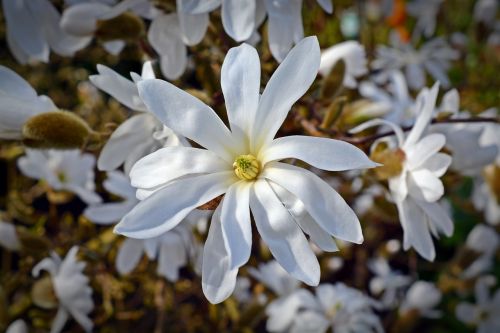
(246, 167)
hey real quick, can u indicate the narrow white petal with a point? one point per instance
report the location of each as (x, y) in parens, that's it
(424, 185)
(60, 320)
(238, 18)
(164, 209)
(288, 83)
(326, 5)
(107, 213)
(285, 239)
(240, 81)
(424, 149)
(81, 19)
(199, 6)
(437, 164)
(236, 226)
(192, 26)
(218, 280)
(322, 153)
(169, 163)
(324, 204)
(129, 255)
(188, 116)
(437, 216)
(172, 256)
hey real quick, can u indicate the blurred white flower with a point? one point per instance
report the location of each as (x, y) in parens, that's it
(243, 164)
(486, 11)
(8, 236)
(33, 30)
(71, 287)
(425, 12)
(337, 306)
(352, 53)
(386, 282)
(172, 249)
(18, 326)
(433, 57)
(485, 241)
(423, 297)
(417, 188)
(18, 102)
(273, 276)
(485, 314)
(140, 134)
(63, 170)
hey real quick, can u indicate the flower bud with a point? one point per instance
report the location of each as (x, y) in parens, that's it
(55, 129)
(126, 26)
(43, 294)
(391, 160)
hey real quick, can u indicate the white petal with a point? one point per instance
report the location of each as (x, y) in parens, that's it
(153, 217)
(415, 76)
(81, 19)
(324, 204)
(133, 132)
(326, 5)
(165, 37)
(381, 122)
(240, 81)
(13, 84)
(87, 196)
(424, 149)
(123, 90)
(311, 322)
(107, 213)
(169, 163)
(188, 116)
(437, 216)
(114, 47)
(236, 226)
(8, 236)
(322, 153)
(60, 320)
(467, 312)
(424, 185)
(129, 255)
(192, 26)
(288, 83)
(437, 164)
(199, 6)
(416, 231)
(218, 280)
(238, 18)
(18, 326)
(450, 102)
(172, 256)
(282, 235)
(426, 102)
(23, 28)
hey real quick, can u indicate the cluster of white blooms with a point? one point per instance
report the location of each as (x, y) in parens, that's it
(188, 189)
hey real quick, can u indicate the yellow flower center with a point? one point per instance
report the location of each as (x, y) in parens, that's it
(391, 160)
(246, 167)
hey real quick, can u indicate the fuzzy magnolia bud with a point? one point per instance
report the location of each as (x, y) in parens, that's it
(126, 26)
(391, 160)
(57, 130)
(43, 294)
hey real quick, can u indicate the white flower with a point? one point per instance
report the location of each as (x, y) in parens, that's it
(8, 237)
(243, 164)
(386, 281)
(63, 170)
(485, 241)
(354, 57)
(433, 56)
(485, 314)
(139, 135)
(18, 102)
(417, 188)
(422, 296)
(33, 30)
(425, 11)
(18, 326)
(172, 249)
(337, 306)
(71, 288)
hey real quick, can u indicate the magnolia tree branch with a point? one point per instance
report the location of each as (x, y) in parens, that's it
(371, 138)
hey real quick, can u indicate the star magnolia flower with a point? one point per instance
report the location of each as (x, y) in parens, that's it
(422, 296)
(386, 281)
(63, 170)
(417, 187)
(433, 56)
(140, 134)
(33, 30)
(484, 241)
(243, 164)
(173, 249)
(18, 102)
(485, 314)
(354, 57)
(337, 306)
(425, 11)
(71, 288)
